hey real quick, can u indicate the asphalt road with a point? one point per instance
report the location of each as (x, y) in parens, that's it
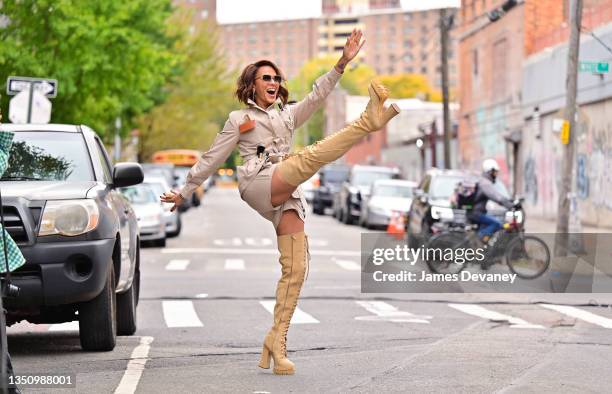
(205, 308)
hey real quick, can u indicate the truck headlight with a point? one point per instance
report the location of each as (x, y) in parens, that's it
(69, 217)
(441, 213)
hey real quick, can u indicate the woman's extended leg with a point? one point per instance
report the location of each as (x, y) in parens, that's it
(302, 165)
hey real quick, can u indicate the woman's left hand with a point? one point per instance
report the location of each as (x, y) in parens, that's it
(351, 48)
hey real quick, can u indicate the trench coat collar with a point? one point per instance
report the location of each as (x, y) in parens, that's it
(278, 103)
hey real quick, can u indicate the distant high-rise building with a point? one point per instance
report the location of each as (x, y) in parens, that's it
(398, 40)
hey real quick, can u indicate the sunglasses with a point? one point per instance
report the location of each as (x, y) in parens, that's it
(269, 78)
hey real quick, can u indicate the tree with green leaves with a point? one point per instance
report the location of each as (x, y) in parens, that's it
(198, 101)
(111, 58)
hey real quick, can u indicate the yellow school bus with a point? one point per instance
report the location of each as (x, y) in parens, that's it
(183, 160)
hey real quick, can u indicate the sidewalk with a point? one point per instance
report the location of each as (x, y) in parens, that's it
(543, 225)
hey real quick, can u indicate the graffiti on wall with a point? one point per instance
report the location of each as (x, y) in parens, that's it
(598, 166)
(582, 177)
(531, 181)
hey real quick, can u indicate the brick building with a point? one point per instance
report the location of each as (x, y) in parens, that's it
(400, 40)
(512, 88)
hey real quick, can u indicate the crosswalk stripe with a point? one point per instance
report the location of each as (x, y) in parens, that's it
(299, 316)
(348, 265)
(177, 265)
(180, 313)
(69, 326)
(477, 310)
(387, 312)
(234, 264)
(580, 314)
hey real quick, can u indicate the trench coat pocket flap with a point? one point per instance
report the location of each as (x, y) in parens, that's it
(247, 125)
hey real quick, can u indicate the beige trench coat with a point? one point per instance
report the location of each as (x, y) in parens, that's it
(274, 129)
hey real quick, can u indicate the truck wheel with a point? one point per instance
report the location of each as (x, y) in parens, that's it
(126, 303)
(97, 318)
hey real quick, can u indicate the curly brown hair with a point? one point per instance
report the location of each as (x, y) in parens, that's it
(246, 82)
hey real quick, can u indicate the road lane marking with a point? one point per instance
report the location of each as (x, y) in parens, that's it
(580, 314)
(180, 313)
(177, 265)
(202, 295)
(234, 264)
(299, 316)
(258, 241)
(348, 265)
(477, 310)
(133, 372)
(69, 326)
(387, 312)
(342, 253)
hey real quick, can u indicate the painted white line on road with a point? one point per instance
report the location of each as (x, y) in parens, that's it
(180, 314)
(387, 312)
(234, 264)
(202, 295)
(133, 372)
(69, 326)
(477, 310)
(580, 314)
(343, 253)
(299, 316)
(258, 241)
(177, 265)
(348, 265)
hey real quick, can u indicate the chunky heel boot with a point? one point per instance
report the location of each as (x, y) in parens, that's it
(294, 254)
(300, 166)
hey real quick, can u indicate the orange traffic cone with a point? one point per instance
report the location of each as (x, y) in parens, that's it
(396, 225)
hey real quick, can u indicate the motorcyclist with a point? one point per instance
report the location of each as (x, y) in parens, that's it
(474, 198)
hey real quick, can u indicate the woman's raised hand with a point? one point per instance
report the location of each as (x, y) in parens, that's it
(172, 197)
(352, 46)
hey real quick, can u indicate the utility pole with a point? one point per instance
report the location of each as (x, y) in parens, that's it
(445, 25)
(570, 129)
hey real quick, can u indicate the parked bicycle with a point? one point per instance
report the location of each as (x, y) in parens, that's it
(527, 256)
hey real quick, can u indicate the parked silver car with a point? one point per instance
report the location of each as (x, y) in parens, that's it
(386, 196)
(149, 213)
(172, 219)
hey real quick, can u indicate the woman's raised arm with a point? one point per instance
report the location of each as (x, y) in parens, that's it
(326, 83)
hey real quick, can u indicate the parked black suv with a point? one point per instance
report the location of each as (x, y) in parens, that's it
(347, 204)
(79, 235)
(331, 178)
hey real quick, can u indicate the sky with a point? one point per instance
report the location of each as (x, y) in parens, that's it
(241, 11)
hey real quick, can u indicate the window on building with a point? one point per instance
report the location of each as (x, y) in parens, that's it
(391, 69)
(342, 35)
(391, 17)
(407, 58)
(423, 70)
(407, 43)
(500, 49)
(392, 30)
(408, 29)
(346, 21)
(409, 69)
(407, 17)
(475, 62)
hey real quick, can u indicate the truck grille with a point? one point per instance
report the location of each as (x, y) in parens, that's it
(14, 224)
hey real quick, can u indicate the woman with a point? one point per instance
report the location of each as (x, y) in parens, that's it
(269, 178)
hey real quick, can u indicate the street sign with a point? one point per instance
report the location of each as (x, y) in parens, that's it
(565, 132)
(594, 67)
(46, 87)
(40, 110)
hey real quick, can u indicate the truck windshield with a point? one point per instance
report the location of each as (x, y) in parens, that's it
(48, 156)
